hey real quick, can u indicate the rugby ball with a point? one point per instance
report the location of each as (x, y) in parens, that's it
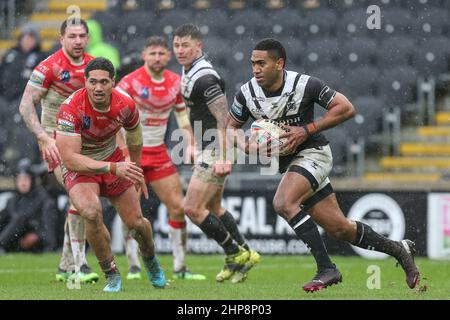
(264, 129)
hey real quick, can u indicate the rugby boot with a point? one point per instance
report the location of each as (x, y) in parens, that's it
(241, 274)
(406, 260)
(233, 263)
(323, 278)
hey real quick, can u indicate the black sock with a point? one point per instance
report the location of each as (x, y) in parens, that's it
(231, 226)
(367, 238)
(307, 231)
(215, 229)
(109, 266)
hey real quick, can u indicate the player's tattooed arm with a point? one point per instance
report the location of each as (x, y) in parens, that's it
(30, 100)
(219, 109)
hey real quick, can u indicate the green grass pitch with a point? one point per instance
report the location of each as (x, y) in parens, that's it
(25, 276)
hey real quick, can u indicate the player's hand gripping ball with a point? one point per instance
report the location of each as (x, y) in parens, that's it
(264, 129)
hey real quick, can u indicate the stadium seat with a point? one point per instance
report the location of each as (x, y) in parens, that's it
(432, 22)
(165, 5)
(318, 23)
(345, 5)
(358, 52)
(361, 81)
(396, 51)
(295, 50)
(305, 5)
(249, 23)
(353, 23)
(367, 121)
(108, 21)
(397, 86)
(136, 24)
(238, 78)
(171, 19)
(218, 50)
(419, 5)
(388, 3)
(212, 22)
(276, 4)
(332, 76)
(321, 52)
(225, 74)
(236, 5)
(431, 56)
(284, 22)
(123, 6)
(396, 21)
(241, 52)
(337, 137)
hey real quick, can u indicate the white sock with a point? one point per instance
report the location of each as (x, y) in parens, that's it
(77, 232)
(178, 237)
(131, 247)
(66, 262)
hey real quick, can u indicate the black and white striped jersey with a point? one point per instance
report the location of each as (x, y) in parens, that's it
(292, 104)
(200, 86)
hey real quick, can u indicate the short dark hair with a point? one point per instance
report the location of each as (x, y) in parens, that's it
(72, 22)
(273, 47)
(100, 64)
(156, 41)
(188, 29)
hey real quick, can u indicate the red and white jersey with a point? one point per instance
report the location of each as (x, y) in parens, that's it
(77, 117)
(155, 100)
(60, 78)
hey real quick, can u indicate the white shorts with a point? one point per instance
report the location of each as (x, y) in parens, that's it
(203, 168)
(314, 164)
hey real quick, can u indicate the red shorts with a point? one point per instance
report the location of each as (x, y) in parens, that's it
(110, 185)
(156, 163)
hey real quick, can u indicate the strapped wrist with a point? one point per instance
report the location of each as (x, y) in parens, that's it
(113, 168)
(310, 128)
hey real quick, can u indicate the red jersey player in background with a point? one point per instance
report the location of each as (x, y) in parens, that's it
(156, 91)
(51, 82)
(93, 166)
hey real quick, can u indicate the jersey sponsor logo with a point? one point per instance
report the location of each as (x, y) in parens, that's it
(212, 91)
(42, 68)
(86, 122)
(37, 78)
(154, 122)
(258, 112)
(145, 93)
(65, 76)
(260, 99)
(68, 116)
(65, 126)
